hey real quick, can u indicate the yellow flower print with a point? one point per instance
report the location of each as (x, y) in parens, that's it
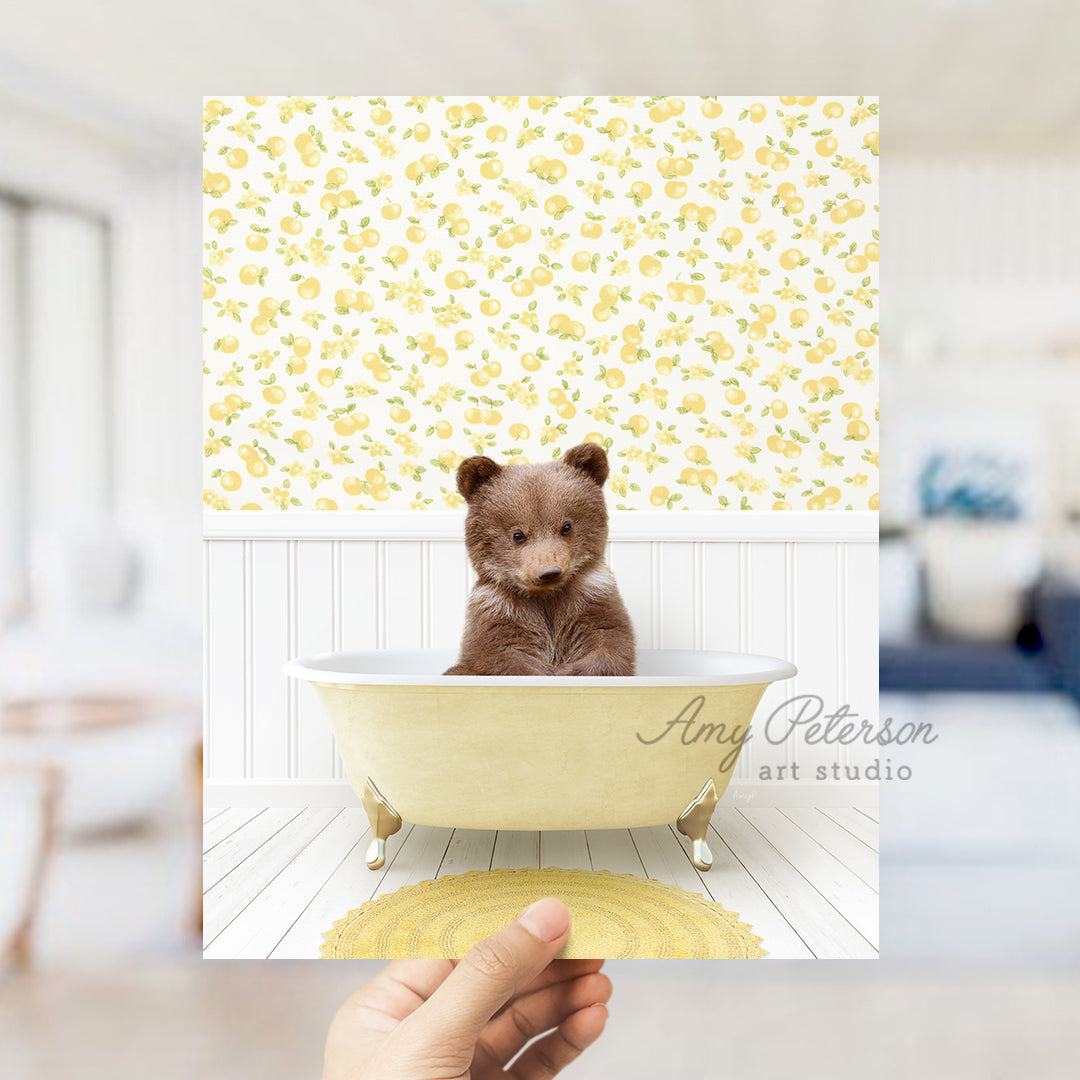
(243, 130)
(502, 249)
(385, 145)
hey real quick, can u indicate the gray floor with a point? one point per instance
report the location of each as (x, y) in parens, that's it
(980, 857)
(266, 1021)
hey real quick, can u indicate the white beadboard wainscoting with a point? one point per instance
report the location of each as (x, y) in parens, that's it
(799, 585)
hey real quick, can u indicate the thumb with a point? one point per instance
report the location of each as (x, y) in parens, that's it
(491, 973)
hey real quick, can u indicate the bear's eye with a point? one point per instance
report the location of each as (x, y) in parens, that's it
(519, 537)
(566, 528)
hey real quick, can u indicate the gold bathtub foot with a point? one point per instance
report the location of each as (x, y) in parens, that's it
(385, 821)
(694, 823)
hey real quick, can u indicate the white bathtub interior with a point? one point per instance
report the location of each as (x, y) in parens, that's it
(425, 667)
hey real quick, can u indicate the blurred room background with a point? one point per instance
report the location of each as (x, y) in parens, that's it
(100, 579)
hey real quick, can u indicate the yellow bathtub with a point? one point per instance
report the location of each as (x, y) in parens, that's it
(539, 752)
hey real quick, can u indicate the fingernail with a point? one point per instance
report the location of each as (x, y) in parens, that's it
(547, 919)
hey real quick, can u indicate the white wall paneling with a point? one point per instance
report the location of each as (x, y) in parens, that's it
(733, 581)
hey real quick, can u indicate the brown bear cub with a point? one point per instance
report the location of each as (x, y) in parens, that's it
(545, 602)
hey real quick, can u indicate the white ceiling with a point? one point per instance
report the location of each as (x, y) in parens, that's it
(959, 77)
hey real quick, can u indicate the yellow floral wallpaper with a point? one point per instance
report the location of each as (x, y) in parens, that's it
(393, 284)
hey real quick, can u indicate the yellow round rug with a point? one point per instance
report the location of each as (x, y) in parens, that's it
(613, 916)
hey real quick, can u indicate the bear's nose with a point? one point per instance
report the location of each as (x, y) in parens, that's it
(549, 574)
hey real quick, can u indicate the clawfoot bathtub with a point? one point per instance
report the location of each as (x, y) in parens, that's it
(539, 752)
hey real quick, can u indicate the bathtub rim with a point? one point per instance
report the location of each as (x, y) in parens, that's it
(315, 668)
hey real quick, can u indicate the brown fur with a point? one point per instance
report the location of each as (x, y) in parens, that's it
(516, 623)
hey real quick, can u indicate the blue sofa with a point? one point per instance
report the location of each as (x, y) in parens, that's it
(1045, 656)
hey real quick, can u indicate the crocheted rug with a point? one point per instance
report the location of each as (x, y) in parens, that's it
(613, 916)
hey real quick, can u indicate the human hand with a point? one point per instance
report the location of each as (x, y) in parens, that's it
(448, 1019)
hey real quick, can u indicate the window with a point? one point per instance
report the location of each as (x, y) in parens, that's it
(56, 415)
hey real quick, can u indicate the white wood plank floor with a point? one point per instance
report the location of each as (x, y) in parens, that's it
(806, 880)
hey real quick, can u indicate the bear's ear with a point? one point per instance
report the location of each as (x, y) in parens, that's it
(590, 459)
(474, 472)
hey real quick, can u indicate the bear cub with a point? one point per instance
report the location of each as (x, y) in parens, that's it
(545, 602)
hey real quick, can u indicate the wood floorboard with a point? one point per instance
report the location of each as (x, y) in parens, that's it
(856, 823)
(276, 879)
